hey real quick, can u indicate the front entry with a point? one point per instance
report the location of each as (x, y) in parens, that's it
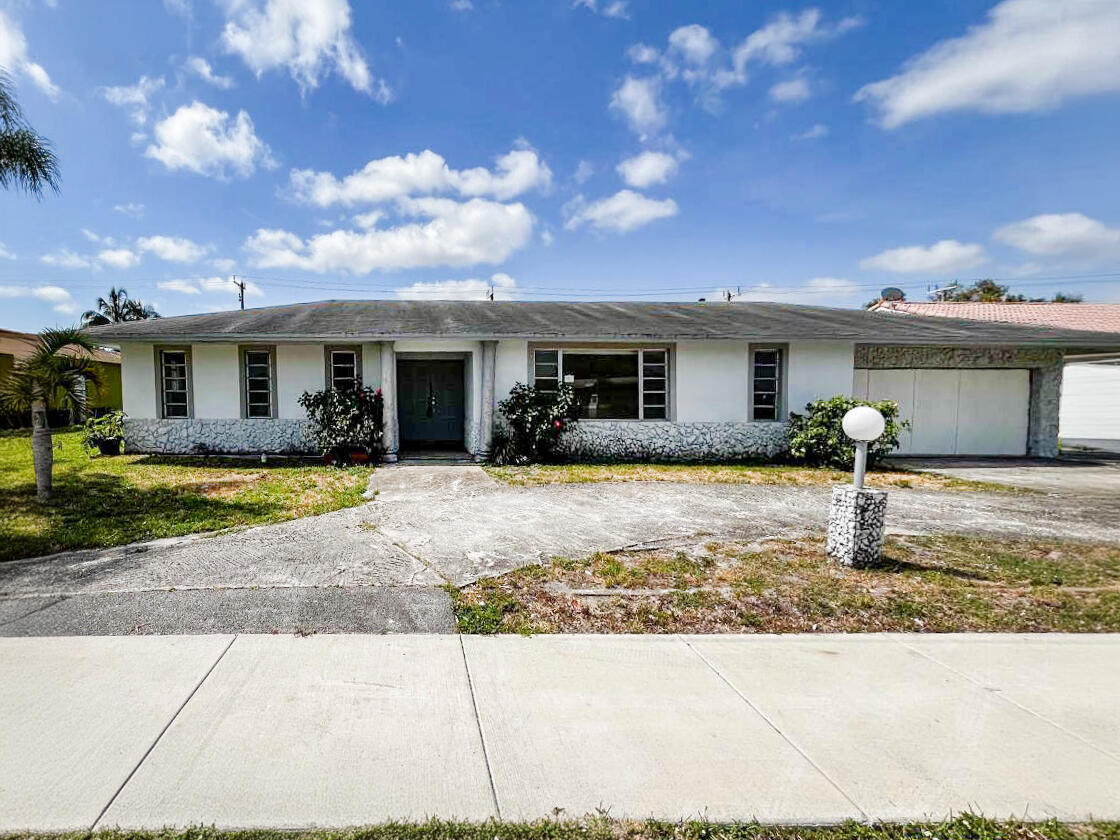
(430, 395)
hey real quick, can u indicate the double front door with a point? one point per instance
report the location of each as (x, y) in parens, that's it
(430, 395)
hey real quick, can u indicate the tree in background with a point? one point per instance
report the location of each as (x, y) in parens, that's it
(989, 291)
(117, 307)
(27, 160)
(59, 368)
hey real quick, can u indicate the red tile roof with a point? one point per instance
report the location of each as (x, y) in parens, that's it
(1092, 317)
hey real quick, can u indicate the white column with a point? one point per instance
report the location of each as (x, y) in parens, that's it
(391, 432)
(486, 425)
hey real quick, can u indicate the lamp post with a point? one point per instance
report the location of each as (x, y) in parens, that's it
(857, 514)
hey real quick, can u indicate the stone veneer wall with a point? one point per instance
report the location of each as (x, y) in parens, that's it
(1046, 378)
(231, 437)
(651, 440)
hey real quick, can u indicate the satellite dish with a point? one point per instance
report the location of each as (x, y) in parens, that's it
(891, 293)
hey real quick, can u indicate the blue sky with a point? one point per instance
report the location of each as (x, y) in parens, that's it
(801, 152)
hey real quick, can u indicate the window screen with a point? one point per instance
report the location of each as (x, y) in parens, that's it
(174, 383)
(655, 384)
(344, 369)
(258, 383)
(766, 384)
(609, 384)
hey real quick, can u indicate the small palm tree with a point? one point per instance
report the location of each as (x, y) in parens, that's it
(117, 307)
(26, 159)
(60, 367)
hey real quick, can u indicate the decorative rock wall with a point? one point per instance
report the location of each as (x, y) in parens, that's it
(230, 437)
(855, 526)
(646, 440)
(1045, 365)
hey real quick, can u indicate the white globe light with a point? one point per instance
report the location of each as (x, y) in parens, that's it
(863, 423)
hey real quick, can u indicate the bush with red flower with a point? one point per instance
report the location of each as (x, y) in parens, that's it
(348, 422)
(534, 422)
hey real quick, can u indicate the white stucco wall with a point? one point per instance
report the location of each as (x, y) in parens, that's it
(818, 369)
(299, 368)
(712, 381)
(511, 365)
(214, 373)
(138, 381)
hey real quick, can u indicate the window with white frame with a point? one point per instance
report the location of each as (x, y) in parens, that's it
(766, 383)
(344, 368)
(174, 382)
(609, 384)
(258, 381)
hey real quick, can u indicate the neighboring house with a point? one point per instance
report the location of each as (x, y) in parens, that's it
(657, 380)
(16, 345)
(1090, 407)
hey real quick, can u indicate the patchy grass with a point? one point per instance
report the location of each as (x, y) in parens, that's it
(541, 474)
(963, 827)
(927, 584)
(111, 501)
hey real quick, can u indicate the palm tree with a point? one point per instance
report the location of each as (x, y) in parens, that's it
(60, 366)
(116, 308)
(27, 160)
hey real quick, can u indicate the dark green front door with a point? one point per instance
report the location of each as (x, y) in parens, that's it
(430, 395)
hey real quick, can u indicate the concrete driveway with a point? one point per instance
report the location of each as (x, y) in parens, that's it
(1082, 475)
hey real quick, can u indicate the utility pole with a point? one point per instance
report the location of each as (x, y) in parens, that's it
(240, 284)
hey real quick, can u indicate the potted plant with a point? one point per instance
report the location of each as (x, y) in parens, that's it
(105, 433)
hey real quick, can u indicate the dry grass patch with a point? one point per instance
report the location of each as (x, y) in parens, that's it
(542, 474)
(927, 584)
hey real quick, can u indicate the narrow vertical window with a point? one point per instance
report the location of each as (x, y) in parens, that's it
(344, 368)
(655, 385)
(258, 384)
(546, 369)
(174, 383)
(766, 384)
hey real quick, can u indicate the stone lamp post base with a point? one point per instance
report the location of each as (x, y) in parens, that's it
(855, 526)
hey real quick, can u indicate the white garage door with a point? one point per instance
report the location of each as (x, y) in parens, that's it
(954, 412)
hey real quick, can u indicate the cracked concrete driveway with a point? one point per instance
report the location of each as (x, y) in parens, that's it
(432, 524)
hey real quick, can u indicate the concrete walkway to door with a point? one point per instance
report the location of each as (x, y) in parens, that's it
(290, 732)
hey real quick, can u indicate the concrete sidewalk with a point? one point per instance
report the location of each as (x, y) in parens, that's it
(286, 732)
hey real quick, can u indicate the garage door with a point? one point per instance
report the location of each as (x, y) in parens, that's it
(955, 412)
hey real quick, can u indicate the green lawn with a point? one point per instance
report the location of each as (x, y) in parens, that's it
(540, 474)
(963, 827)
(102, 501)
(927, 584)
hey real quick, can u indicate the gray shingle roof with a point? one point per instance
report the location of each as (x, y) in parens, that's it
(398, 319)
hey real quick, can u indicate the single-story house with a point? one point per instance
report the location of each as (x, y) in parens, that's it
(103, 397)
(1090, 404)
(655, 380)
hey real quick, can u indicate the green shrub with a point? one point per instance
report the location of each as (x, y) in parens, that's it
(346, 421)
(817, 437)
(104, 429)
(535, 421)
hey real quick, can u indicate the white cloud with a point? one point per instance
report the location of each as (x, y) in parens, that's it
(942, 257)
(14, 57)
(205, 140)
(200, 67)
(62, 302)
(136, 99)
(816, 132)
(462, 5)
(214, 285)
(65, 258)
(119, 257)
(450, 233)
(836, 287)
(647, 168)
(130, 209)
(643, 54)
(1029, 55)
(308, 39)
(618, 9)
(622, 212)
(584, 170)
(426, 173)
(471, 289)
(639, 100)
(793, 90)
(694, 43)
(369, 220)
(223, 264)
(1062, 234)
(5, 254)
(172, 248)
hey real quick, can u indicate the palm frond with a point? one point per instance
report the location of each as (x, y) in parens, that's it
(27, 160)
